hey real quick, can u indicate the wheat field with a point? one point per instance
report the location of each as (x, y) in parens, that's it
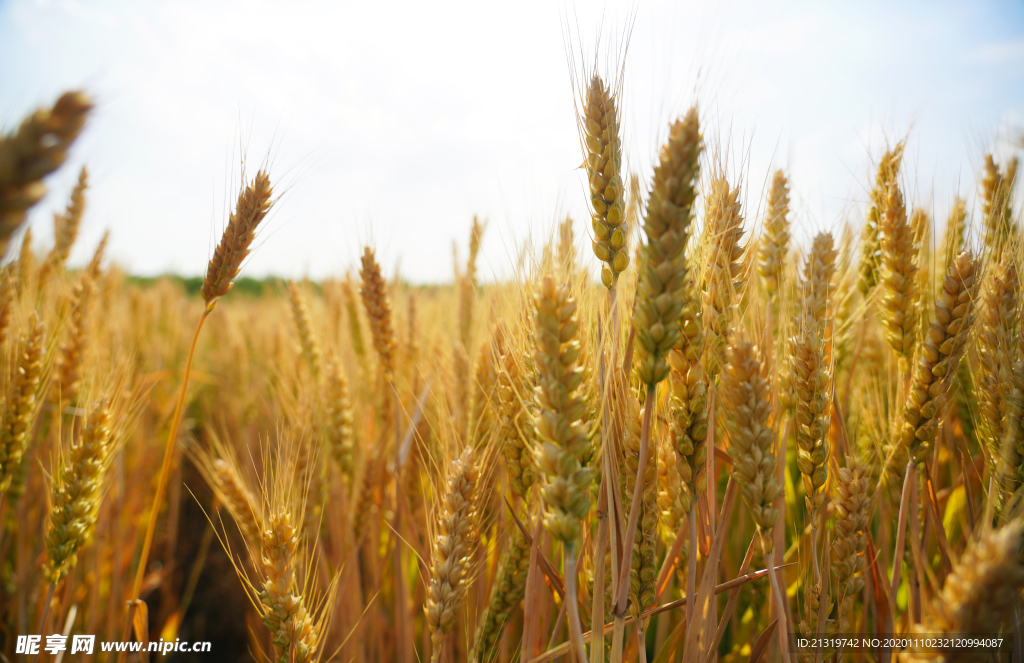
(716, 446)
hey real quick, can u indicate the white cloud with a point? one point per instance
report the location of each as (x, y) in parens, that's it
(1005, 52)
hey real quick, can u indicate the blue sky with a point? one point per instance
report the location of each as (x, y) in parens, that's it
(394, 123)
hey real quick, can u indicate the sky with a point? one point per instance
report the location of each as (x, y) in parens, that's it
(392, 124)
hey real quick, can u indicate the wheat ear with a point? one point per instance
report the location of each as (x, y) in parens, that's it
(997, 348)
(485, 387)
(26, 263)
(467, 284)
(233, 493)
(940, 355)
(660, 302)
(812, 389)
(853, 520)
(723, 272)
(688, 401)
(307, 337)
(283, 606)
(452, 551)
(20, 409)
(980, 594)
(871, 238)
(77, 493)
(562, 447)
(672, 495)
(771, 255)
(72, 351)
(250, 210)
(95, 266)
(31, 152)
(566, 247)
(603, 147)
(355, 329)
(997, 190)
(515, 423)
(8, 295)
(65, 227)
(747, 396)
(643, 565)
(378, 311)
(339, 433)
(899, 277)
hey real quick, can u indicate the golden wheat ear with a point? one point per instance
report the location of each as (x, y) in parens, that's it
(378, 310)
(997, 198)
(307, 337)
(899, 277)
(72, 351)
(774, 247)
(600, 123)
(34, 150)
(981, 593)
(662, 288)
(452, 550)
(20, 409)
(723, 273)
(996, 350)
(252, 207)
(65, 228)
